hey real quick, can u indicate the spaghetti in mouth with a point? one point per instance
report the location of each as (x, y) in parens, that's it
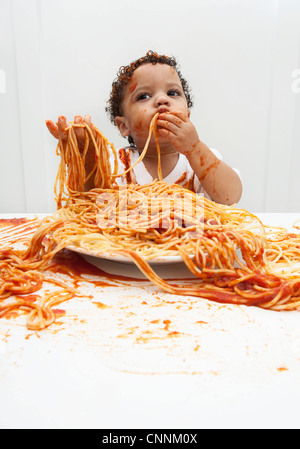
(234, 256)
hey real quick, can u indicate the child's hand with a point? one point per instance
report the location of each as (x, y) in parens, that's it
(58, 130)
(178, 128)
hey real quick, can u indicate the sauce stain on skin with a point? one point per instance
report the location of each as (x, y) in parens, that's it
(132, 87)
(208, 169)
(138, 129)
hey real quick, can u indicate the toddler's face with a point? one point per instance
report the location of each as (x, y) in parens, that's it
(153, 88)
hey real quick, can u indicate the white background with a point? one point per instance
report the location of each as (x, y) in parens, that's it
(241, 58)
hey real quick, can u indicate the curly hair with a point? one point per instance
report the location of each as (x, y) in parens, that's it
(113, 108)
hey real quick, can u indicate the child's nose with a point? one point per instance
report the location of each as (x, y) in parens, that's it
(162, 100)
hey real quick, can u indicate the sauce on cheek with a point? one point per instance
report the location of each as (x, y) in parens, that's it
(139, 128)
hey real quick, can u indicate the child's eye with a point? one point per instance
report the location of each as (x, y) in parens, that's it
(143, 96)
(173, 93)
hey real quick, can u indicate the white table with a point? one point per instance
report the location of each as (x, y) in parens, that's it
(122, 367)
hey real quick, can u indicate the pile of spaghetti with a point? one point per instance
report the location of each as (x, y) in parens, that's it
(234, 256)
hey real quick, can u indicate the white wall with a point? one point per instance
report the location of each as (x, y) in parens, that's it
(241, 58)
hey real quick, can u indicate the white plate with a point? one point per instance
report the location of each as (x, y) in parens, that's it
(123, 259)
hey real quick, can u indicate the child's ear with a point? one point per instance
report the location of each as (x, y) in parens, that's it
(122, 126)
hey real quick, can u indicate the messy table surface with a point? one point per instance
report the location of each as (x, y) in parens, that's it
(123, 354)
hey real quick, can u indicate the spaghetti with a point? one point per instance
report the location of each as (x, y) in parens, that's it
(231, 252)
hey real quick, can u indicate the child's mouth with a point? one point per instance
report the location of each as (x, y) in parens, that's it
(162, 110)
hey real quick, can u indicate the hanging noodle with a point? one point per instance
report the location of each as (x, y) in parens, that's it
(152, 129)
(232, 253)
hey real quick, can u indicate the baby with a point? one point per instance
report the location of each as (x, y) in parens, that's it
(153, 84)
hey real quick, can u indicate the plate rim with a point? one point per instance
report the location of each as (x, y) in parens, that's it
(123, 259)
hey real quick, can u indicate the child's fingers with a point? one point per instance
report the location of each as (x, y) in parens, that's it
(52, 128)
(170, 126)
(62, 125)
(175, 117)
(181, 115)
(176, 120)
(79, 131)
(164, 132)
(58, 130)
(87, 119)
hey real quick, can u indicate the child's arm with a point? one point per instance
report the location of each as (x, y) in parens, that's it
(220, 181)
(58, 130)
